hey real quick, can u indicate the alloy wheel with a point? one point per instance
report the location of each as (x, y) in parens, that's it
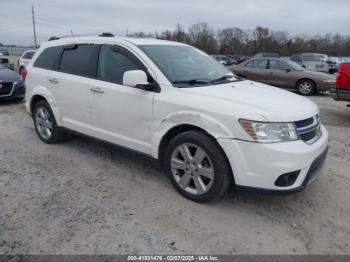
(192, 168)
(43, 123)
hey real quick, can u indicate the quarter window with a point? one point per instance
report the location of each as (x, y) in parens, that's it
(80, 60)
(48, 59)
(28, 55)
(114, 62)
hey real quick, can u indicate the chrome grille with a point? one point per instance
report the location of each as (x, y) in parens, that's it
(309, 130)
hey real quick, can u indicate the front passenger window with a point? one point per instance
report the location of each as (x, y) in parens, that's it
(113, 63)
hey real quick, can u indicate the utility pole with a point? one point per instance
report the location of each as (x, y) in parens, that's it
(33, 17)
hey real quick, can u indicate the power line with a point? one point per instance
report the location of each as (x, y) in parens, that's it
(33, 17)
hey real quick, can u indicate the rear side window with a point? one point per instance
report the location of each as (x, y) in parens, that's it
(80, 60)
(114, 62)
(28, 55)
(49, 58)
(261, 64)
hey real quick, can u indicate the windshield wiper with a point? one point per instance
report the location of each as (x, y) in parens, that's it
(222, 78)
(192, 81)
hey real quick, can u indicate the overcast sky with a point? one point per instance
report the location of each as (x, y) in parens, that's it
(59, 17)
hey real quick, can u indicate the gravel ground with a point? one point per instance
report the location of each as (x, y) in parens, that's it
(85, 197)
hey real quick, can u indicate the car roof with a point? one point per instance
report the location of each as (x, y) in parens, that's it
(116, 40)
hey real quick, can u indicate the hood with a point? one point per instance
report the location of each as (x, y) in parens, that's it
(7, 75)
(256, 101)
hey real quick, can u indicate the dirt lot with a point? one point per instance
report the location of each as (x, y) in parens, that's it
(84, 197)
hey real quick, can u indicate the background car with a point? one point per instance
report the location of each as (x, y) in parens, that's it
(286, 74)
(4, 58)
(312, 61)
(268, 54)
(342, 90)
(24, 60)
(11, 85)
(225, 60)
(4, 52)
(333, 64)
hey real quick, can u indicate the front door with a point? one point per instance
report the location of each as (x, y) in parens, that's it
(121, 114)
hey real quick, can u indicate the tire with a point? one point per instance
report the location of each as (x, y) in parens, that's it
(199, 177)
(306, 87)
(44, 119)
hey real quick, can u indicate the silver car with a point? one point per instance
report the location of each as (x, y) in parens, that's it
(312, 61)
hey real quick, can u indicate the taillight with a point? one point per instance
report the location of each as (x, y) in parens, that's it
(24, 73)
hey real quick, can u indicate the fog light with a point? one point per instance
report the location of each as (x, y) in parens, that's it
(287, 179)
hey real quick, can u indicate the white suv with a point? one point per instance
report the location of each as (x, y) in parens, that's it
(24, 60)
(168, 100)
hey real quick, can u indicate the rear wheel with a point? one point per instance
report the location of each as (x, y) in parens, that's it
(306, 87)
(197, 166)
(45, 123)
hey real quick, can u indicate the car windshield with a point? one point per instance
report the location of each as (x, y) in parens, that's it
(186, 66)
(295, 66)
(314, 57)
(1, 67)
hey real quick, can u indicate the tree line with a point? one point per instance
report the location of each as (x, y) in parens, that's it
(237, 41)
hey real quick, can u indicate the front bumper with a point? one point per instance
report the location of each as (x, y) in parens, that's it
(18, 91)
(339, 94)
(258, 166)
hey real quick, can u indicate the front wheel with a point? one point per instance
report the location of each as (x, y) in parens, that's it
(197, 166)
(306, 87)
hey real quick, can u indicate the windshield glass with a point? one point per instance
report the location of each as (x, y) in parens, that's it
(187, 66)
(1, 66)
(318, 58)
(295, 66)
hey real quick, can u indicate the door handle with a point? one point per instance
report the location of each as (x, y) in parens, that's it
(97, 90)
(53, 81)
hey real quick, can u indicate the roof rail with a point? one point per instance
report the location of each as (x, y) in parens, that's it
(106, 34)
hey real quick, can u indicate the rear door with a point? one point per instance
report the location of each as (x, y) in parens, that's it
(71, 85)
(259, 70)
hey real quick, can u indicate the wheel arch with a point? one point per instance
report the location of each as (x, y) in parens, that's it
(42, 93)
(182, 122)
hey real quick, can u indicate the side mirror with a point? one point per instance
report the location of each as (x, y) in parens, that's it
(133, 78)
(138, 79)
(287, 70)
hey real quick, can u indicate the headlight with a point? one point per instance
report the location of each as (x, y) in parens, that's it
(270, 132)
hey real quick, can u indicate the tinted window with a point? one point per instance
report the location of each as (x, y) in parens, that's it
(28, 55)
(114, 62)
(262, 64)
(80, 60)
(48, 59)
(278, 65)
